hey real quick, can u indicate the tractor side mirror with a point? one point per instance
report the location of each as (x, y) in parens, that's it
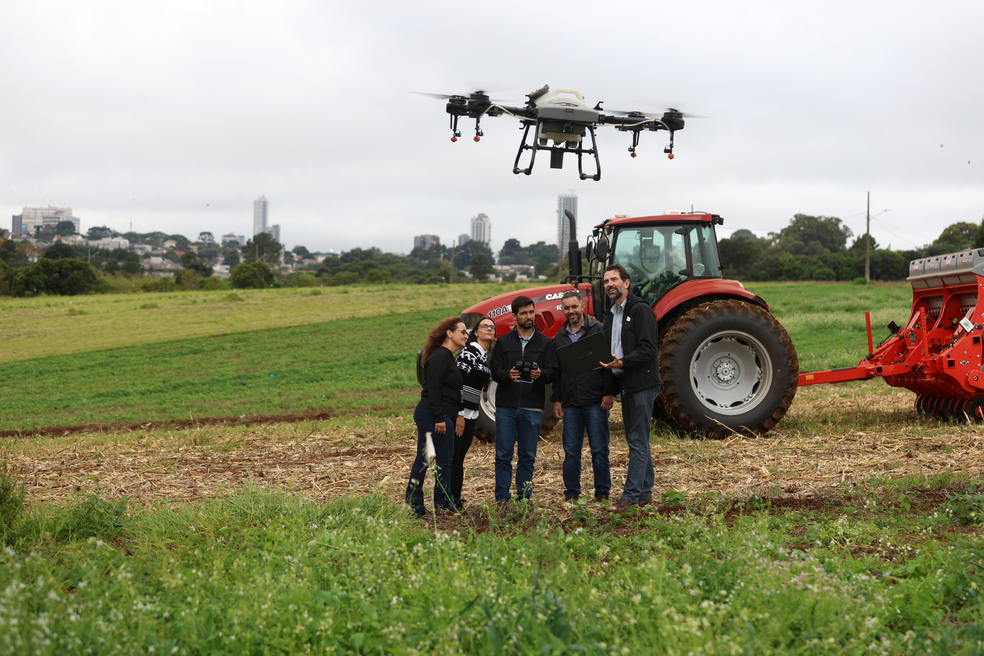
(603, 252)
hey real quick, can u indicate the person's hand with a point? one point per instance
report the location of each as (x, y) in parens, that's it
(514, 374)
(614, 364)
(558, 410)
(535, 373)
(459, 426)
(440, 428)
(607, 402)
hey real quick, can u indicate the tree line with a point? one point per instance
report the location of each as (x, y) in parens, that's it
(31, 269)
(816, 248)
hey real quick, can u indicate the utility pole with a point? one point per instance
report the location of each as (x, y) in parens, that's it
(867, 243)
(452, 262)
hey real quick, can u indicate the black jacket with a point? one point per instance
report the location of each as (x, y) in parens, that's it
(509, 350)
(588, 387)
(441, 393)
(640, 345)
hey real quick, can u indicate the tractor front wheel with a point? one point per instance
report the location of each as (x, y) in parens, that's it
(727, 367)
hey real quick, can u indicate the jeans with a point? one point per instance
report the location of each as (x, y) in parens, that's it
(444, 446)
(515, 429)
(637, 414)
(461, 446)
(577, 418)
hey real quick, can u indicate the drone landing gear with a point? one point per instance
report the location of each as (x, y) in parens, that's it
(557, 153)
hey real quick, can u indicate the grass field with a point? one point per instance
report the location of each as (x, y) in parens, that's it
(216, 354)
(853, 528)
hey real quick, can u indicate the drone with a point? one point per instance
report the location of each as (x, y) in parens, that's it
(560, 116)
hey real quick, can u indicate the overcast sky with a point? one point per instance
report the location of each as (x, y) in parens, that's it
(176, 116)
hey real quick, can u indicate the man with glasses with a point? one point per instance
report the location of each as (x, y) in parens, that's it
(583, 403)
(633, 332)
(523, 362)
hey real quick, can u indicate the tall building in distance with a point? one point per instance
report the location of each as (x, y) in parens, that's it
(565, 202)
(274, 231)
(463, 239)
(260, 215)
(424, 242)
(38, 217)
(481, 229)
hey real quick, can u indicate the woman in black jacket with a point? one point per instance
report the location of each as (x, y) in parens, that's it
(439, 403)
(473, 361)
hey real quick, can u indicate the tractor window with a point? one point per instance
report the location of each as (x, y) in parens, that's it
(656, 256)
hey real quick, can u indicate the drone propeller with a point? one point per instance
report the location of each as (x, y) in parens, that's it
(669, 110)
(474, 95)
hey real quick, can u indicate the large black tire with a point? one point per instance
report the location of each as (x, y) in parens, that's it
(485, 425)
(727, 367)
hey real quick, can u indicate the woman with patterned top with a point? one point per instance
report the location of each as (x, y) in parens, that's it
(473, 362)
(440, 400)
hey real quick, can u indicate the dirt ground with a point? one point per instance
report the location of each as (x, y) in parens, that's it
(325, 459)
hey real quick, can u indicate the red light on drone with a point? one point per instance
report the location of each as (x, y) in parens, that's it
(633, 154)
(453, 139)
(670, 155)
(477, 139)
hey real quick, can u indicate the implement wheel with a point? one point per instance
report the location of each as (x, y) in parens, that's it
(974, 409)
(727, 366)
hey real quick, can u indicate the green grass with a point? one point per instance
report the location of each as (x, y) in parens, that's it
(39, 327)
(340, 365)
(826, 321)
(262, 572)
(285, 351)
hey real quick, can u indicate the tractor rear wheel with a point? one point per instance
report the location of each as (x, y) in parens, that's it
(727, 367)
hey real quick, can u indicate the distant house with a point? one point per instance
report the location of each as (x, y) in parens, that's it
(160, 267)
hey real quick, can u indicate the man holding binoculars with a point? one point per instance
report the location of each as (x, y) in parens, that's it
(523, 363)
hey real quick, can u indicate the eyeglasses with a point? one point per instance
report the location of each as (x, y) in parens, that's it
(460, 330)
(488, 326)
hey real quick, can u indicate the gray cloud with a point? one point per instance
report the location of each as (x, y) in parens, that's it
(176, 117)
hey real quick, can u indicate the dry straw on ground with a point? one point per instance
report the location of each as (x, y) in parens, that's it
(815, 449)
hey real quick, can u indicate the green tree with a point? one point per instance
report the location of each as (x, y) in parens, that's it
(480, 267)
(231, 258)
(65, 228)
(378, 276)
(60, 250)
(955, 237)
(262, 247)
(510, 248)
(812, 235)
(66, 277)
(206, 237)
(301, 252)
(190, 261)
(99, 232)
(132, 266)
(252, 275)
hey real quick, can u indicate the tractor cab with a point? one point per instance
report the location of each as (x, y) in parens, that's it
(659, 252)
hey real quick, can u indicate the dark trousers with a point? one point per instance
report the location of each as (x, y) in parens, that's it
(593, 419)
(516, 430)
(637, 415)
(461, 446)
(444, 446)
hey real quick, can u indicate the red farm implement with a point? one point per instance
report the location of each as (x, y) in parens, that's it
(938, 353)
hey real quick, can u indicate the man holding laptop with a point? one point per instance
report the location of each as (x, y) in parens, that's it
(583, 399)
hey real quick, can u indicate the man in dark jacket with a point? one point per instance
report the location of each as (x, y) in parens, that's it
(519, 398)
(583, 403)
(632, 331)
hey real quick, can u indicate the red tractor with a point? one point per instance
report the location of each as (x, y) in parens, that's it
(727, 365)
